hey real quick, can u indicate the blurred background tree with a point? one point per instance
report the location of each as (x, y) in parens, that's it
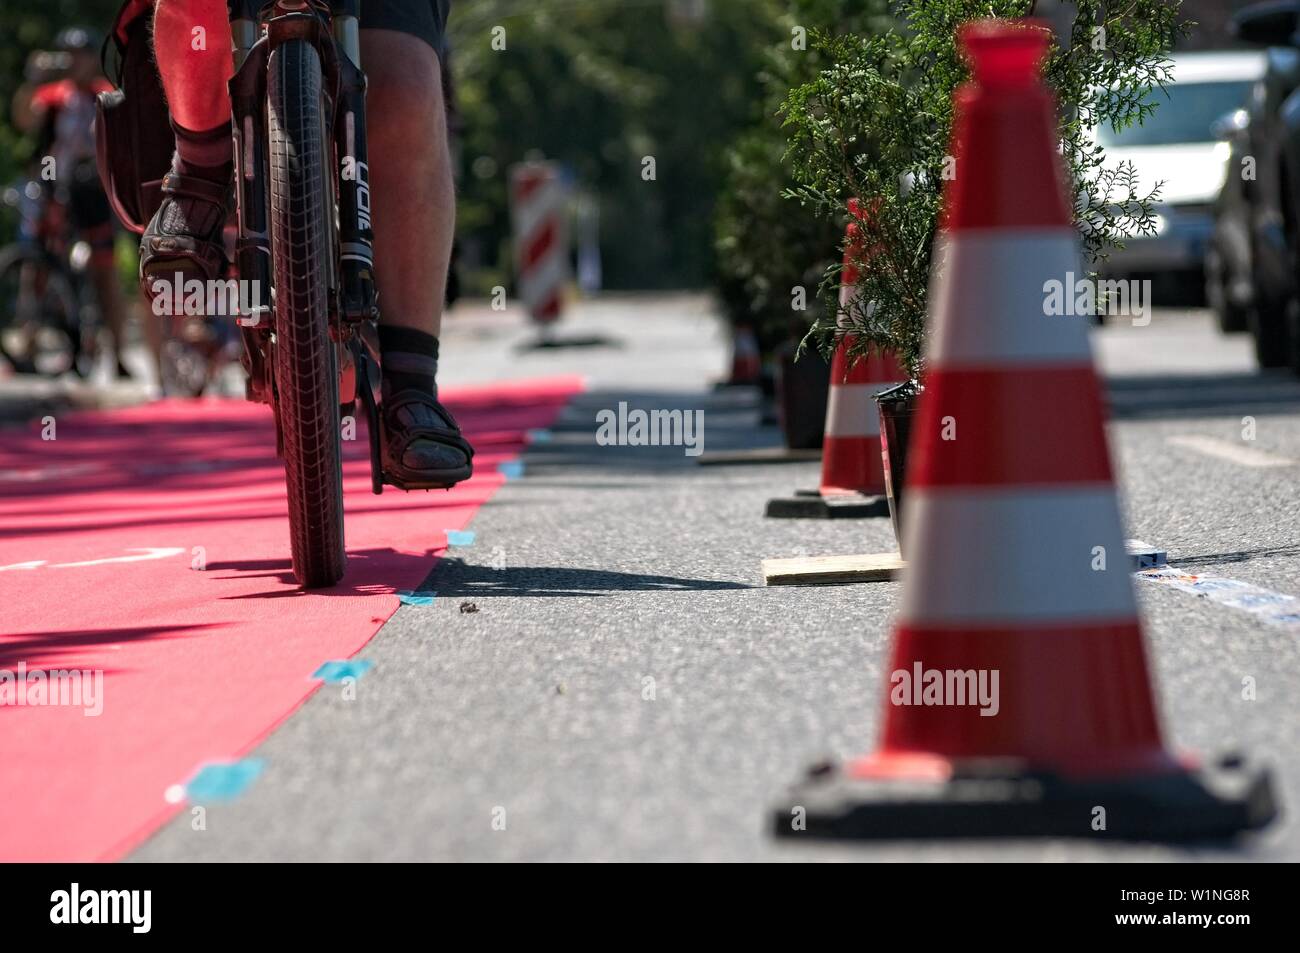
(767, 245)
(598, 85)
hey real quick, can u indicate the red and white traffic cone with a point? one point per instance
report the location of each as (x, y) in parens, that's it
(1019, 701)
(852, 478)
(851, 463)
(746, 361)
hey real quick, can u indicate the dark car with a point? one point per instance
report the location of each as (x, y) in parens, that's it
(1269, 135)
(1229, 272)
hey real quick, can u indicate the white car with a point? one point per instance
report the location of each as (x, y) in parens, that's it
(1177, 146)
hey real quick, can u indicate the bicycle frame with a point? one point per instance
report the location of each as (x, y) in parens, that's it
(332, 27)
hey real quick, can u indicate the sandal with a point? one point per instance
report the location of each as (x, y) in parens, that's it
(421, 445)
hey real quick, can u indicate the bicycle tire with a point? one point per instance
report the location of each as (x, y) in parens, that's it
(65, 323)
(305, 363)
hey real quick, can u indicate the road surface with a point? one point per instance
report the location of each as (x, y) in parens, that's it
(601, 674)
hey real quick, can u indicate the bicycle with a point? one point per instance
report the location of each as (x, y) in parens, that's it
(304, 230)
(303, 246)
(49, 316)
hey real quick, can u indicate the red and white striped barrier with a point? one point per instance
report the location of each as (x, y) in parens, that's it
(539, 219)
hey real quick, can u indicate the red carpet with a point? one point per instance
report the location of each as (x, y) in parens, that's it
(98, 531)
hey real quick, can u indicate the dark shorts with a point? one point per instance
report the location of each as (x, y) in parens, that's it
(88, 208)
(426, 19)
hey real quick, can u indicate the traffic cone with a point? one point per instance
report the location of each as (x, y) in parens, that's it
(746, 361)
(852, 478)
(851, 462)
(1019, 700)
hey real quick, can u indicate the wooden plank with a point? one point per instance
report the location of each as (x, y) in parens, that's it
(831, 570)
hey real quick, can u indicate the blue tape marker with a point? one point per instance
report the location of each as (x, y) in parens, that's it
(460, 537)
(538, 435)
(511, 469)
(222, 781)
(421, 598)
(336, 671)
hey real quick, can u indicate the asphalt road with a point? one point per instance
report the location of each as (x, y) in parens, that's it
(628, 690)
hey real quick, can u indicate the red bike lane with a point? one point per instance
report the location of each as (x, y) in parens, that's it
(103, 531)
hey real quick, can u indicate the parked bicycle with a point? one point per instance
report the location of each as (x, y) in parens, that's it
(49, 315)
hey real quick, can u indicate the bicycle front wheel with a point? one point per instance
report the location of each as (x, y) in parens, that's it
(305, 365)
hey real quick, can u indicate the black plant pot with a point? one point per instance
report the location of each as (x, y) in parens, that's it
(801, 388)
(897, 404)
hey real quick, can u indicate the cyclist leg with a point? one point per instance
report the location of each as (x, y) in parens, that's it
(191, 40)
(90, 214)
(414, 205)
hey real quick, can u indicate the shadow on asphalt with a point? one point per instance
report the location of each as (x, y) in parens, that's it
(1240, 556)
(370, 573)
(572, 340)
(1154, 396)
(454, 578)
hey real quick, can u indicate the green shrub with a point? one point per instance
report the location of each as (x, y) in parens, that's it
(875, 123)
(767, 246)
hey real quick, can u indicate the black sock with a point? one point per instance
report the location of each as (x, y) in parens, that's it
(205, 154)
(410, 360)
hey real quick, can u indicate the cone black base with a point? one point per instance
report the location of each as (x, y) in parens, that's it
(810, 504)
(991, 799)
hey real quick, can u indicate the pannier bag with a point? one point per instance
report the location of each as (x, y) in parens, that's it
(133, 135)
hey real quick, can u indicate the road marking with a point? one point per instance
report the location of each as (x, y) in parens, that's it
(34, 564)
(1232, 452)
(216, 781)
(152, 552)
(340, 670)
(1271, 608)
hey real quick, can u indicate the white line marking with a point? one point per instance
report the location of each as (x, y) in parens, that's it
(1233, 453)
(34, 564)
(152, 552)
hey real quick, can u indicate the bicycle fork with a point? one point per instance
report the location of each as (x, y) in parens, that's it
(352, 294)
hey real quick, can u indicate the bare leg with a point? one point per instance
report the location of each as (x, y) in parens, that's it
(191, 42)
(410, 177)
(109, 294)
(414, 206)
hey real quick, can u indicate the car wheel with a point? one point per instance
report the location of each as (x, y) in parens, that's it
(1232, 318)
(1269, 326)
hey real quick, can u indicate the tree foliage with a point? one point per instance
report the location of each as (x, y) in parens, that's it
(766, 245)
(599, 86)
(876, 124)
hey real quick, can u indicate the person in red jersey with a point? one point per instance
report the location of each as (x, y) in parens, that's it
(60, 113)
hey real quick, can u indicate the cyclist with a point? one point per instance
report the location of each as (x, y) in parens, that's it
(411, 189)
(62, 114)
